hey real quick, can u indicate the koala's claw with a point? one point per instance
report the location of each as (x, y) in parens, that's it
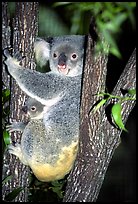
(16, 126)
(6, 52)
(12, 127)
(18, 56)
(16, 150)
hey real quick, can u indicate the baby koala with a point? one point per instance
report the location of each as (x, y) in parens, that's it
(34, 110)
(48, 157)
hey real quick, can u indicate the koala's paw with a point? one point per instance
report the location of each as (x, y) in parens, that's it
(15, 126)
(6, 52)
(17, 56)
(11, 127)
(16, 150)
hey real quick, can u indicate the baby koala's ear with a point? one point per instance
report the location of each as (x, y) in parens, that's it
(42, 51)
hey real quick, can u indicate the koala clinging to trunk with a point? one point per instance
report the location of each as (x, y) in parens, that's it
(59, 91)
(24, 151)
(52, 86)
(47, 154)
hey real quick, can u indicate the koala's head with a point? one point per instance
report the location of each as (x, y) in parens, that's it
(66, 55)
(33, 108)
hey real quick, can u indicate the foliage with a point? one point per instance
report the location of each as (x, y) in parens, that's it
(116, 108)
(46, 191)
(6, 179)
(12, 195)
(109, 17)
(50, 23)
(74, 18)
(5, 113)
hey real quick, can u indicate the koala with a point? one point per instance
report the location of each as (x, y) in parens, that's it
(46, 154)
(63, 58)
(33, 109)
(66, 70)
(59, 91)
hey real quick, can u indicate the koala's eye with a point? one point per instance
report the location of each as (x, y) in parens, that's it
(33, 108)
(74, 56)
(55, 55)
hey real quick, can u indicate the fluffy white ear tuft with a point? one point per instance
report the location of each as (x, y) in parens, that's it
(42, 51)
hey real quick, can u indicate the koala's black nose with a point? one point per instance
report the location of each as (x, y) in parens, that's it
(62, 59)
(25, 109)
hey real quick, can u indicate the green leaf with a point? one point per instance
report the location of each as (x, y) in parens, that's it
(61, 4)
(56, 183)
(132, 91)
(119, 19)
(57, 188)
(11, 196)
(5, 95)
(116, 113)
(113, 46)
(6, 92)
(58, 191)
(102, 102)
(115, 51)
(6, 179)
(6, 138)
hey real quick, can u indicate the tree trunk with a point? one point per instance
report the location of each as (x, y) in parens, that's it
(22, 32)
(98, 137)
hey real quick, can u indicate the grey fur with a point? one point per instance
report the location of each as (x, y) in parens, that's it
(58, 91)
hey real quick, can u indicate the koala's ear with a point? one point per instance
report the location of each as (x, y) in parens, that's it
(42, 51)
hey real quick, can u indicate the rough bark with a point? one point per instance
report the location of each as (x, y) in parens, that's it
(98, 137)
(6, 32)
(23, 31)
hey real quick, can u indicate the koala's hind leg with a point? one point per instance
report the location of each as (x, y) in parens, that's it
(17, 151)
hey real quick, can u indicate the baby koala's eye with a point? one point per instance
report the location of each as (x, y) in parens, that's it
(54, 55)
(33, 108)
(74, 56)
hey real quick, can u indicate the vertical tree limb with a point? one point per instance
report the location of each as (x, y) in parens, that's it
(24, 30)
(98, 137)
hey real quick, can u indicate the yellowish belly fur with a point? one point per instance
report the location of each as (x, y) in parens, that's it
(49, 172)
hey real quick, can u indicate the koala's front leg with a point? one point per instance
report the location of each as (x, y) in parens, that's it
(25, 78)
(17, 151)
